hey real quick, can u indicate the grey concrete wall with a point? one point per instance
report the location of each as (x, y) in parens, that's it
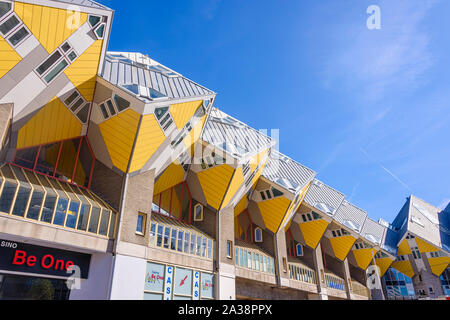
(107, 184)
(247, 289)
(5, 125)
(280, 254)
(138, 197)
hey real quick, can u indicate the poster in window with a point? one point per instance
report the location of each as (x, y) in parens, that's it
(183, 282)
(207, 285)
(154, 277)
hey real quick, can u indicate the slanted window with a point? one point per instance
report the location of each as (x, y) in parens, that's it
(5, 7)
(9, 24)
(258, 235)
(198, 212)
(94, 20)
(56, 71)
(299, 249)
(100, 31)
(17, 37)
(121, 103)
(141, 221)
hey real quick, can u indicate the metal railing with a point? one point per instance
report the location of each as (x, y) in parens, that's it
(301, 273)
(334, 282)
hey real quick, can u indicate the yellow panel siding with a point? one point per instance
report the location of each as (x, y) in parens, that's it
(48, 25)
(193, 137)
(8, 57)
(273, 211)
(403, 248)
(291, 206)
(54, 122)
(424, 246)
(149, 139)
(119, 134)
(173, 175)
(235, 184)
(257, 159)
(383, 264)
(258, 174)
(183, 112)
(341, 246)
(83, 72)
(214, 183)
(241, 206)
(364, 257)
(404, 267)
(438, 265)
(169, 202)
(313, 231)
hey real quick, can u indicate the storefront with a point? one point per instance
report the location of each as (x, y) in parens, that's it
(168, 282)
(32, 272)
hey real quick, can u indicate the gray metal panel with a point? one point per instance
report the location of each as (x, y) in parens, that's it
(280, 167)
(220, 128)
(320, 193)
(84, 3)
(348, 214)
(373, 231)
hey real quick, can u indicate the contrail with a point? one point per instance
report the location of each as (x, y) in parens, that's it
(386, 169)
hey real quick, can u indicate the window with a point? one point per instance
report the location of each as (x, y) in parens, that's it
(48, 63)
(17, 37)
(5, 7)
(258, 235)
(430, 290)
(198, 212)
(416, 253)
(100, 31)
(141, 221)
(56, 71)
(93, 20)
(299, 249)
(229, 249)
(284, 264)
(9, 24)
(121, 103)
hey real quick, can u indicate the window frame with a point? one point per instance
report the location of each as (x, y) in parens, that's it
(201, 212)
(229, 249)
(258, 229)
(144, 223)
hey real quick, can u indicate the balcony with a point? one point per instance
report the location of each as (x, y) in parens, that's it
(302, 277)
(359, 290)
(53, 210)
(174, 241)
(335, 285)
(253, 263)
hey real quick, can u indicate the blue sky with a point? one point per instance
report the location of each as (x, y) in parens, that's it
(366, 109)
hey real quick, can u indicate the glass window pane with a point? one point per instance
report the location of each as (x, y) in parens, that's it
(35, 205)
(152, 234)
(72, 214)
(192, 243)
(186, 242)
(112, 225)
(140, 223)
(209, 249)
(9, 24)
(48, 208)
(257, 262)
(103, 229)
(173, 242)
(60, 213)
(245, 259)
(84, 216)
(180, 241)
(159, 236)
(9, 190)
(104, 112)
(121, 103)
(21, 201)
(93, 223)
(100, 31)
(166, 237)
(71, 98)
(57, 70)
(199, 244)
(204, 247)
(93, 20)
(4, 8)
(77, 104)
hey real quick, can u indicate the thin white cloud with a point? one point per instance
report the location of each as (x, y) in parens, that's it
(386, 169)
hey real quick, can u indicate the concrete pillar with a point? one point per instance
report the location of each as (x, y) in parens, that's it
(320, 273)
(5, 124)
(347, 278)
(280, 249)
(225, 265)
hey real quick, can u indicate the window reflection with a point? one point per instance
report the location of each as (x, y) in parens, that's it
(60, 213)
(72, 214)
(93, 223)
(6, 199)
(35, 205)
